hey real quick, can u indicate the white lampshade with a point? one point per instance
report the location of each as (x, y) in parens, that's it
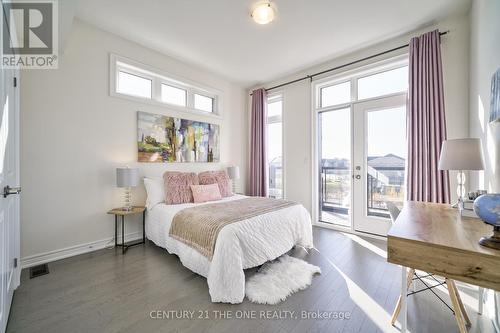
(233, 172)
(461, 154)
(127, 177)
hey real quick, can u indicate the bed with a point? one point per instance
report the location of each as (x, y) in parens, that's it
(245, 244)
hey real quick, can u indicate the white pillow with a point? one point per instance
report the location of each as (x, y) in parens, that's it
(155, 191)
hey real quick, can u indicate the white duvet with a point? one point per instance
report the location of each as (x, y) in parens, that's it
(239, 245)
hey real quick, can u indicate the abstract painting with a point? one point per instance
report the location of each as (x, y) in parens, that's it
(495, 97)
(168, 139)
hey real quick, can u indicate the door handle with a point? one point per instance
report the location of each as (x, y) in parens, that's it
(7, 190)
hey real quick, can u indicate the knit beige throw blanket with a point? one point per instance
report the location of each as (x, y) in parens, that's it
(198, 227)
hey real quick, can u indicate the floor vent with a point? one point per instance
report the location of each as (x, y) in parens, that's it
(39, 270)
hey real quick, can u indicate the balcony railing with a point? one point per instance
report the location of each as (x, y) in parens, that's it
(335, 189)
(275, 181)
(383, 184)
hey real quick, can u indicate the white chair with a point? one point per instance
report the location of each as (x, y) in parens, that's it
(393, 210)
(394, 213)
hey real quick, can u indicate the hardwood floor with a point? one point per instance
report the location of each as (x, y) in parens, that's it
(105, 291)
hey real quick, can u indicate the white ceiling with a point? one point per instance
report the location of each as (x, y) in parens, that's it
(219, 35)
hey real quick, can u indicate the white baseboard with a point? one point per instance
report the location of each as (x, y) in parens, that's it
(43, 258)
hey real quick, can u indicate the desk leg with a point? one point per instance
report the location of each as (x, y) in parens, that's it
(116, 230)
(404, 291)
(144, 227)
(456, 306)
(480, 300)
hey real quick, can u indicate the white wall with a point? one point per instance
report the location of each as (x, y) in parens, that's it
(74, 135)
(484, 61)
(297, 102)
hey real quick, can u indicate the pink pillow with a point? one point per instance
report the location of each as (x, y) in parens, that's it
(177, 187)
(204, 193)
(217, 177)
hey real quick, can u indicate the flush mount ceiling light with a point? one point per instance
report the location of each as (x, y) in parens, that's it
(263, 12)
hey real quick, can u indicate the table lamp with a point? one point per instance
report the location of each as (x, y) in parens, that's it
(461, 155)
(234, 174)
(127, 178)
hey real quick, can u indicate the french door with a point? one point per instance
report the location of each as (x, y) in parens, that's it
(362, 154)
(379, 156)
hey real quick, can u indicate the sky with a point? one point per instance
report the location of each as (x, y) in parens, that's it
(274, 133)
(386, 133)
(274, 138)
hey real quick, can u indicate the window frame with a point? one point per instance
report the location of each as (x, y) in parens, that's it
(158, 77)
(275, 97)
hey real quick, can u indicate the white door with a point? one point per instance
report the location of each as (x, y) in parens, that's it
(379, 156)
(9, 176)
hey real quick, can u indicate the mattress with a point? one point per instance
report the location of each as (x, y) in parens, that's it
(245, 244)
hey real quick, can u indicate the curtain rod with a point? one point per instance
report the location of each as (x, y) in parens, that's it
(344, 65)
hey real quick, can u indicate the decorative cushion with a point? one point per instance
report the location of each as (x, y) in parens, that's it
(217, 177)
(155, 191)
(204, 193)
(178, 187)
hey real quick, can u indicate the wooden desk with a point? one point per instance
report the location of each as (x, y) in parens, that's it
(434, 238)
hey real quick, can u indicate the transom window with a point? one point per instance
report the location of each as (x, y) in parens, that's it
(173, 95)
(383, 83)
(204, 103)
(336, 94)
(134, 85)
(362, 86)
(137, 81)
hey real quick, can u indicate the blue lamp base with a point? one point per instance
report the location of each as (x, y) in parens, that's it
(493, 241)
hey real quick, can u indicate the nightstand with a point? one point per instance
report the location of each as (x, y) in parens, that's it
(120, 212)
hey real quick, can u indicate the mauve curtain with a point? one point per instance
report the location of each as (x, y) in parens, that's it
(258, 149)
(426, 123)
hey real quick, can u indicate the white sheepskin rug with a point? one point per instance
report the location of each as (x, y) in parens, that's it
(278, 279)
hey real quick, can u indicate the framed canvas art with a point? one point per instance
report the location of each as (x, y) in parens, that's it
(167, 139)
(495, 97)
